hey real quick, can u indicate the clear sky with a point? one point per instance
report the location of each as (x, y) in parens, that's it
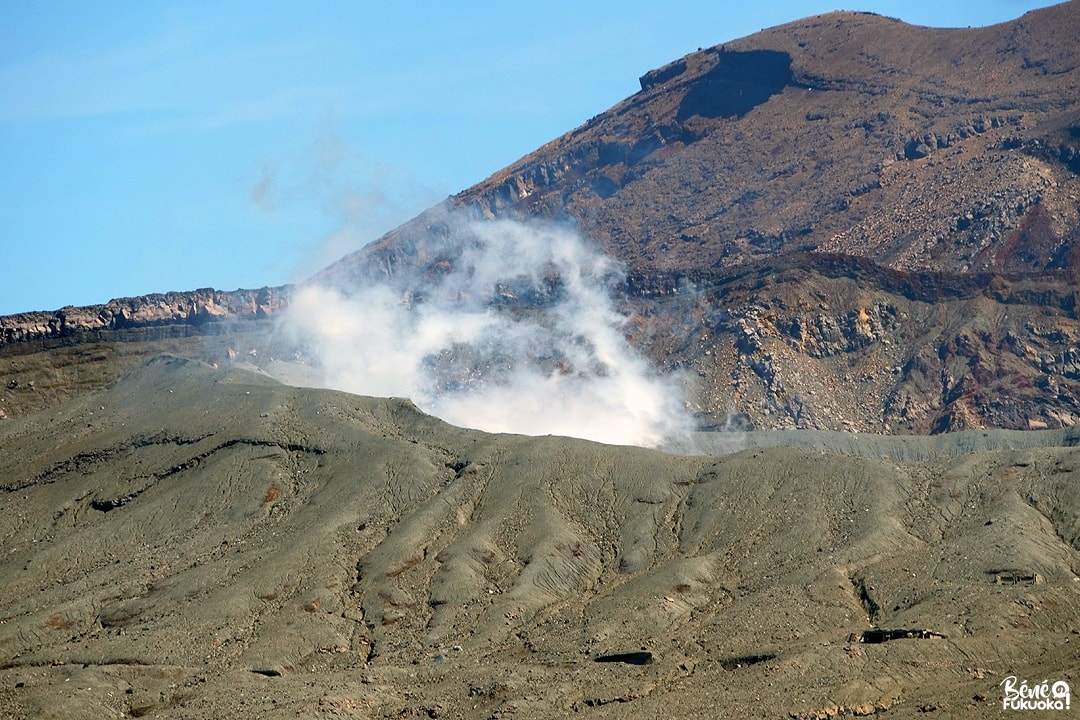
(154, 146)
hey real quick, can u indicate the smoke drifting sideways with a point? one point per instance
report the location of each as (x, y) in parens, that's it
(514, 329)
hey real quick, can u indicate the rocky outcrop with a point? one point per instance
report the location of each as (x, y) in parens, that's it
(841, 343)
(845, 222)
(198, 310)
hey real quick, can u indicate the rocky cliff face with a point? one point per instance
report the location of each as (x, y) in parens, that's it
(837, 342)
(49, 357)
(195, 309)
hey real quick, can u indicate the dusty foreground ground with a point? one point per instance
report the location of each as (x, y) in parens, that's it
(201, 543)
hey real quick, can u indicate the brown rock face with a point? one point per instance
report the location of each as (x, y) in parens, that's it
(838, 342)
(195, 308)
(49, 357)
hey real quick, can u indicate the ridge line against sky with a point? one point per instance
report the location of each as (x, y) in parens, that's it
(159, 146)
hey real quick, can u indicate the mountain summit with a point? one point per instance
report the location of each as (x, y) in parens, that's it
(951, 150)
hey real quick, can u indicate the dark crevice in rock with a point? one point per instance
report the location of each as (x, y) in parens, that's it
(111, 504)
(600, 702)
(745, 660)
(639, 657)
(877, 635)
(82, 462)
(862, 592)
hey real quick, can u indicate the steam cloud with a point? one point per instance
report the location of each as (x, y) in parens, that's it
(515, 332)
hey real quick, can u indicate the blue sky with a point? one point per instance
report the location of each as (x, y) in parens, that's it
(155, 146)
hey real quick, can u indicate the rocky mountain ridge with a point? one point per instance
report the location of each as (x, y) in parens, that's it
(904, 199)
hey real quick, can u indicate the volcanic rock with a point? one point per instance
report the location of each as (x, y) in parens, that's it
(848, 133)
(193, 542)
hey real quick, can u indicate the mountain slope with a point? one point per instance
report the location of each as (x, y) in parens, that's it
(195, 542)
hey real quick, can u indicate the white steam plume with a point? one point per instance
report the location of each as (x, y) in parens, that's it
(515, 332)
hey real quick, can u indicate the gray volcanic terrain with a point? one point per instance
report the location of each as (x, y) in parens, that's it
(193, 542)
(830, 269)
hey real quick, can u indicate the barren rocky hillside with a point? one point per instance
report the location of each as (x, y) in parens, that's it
(950, 150)
(203, 543)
